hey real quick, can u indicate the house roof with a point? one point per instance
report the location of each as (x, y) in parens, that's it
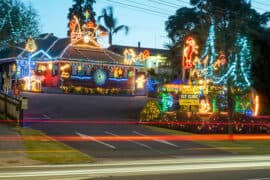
(59, 48)
(93, 54)
(153, 51)
(10, 53)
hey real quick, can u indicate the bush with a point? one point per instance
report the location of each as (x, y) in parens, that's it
(151, 112)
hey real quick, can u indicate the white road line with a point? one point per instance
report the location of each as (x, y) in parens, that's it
(135, 142)
(94, 139)
(158, 140)
(260, 179)
(45, 116)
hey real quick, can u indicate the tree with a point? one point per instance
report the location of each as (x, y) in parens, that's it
(110, 23)
(183, 23)
(79, 8)
(236, 26)
(261, 69)
(17, 23)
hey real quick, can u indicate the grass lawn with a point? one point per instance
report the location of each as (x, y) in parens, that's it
(237, 147)
(49, 151)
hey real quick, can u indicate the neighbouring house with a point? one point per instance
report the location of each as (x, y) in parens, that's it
(153, 58)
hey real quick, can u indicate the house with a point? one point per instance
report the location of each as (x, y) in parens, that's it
(57, 62)
(152, 58)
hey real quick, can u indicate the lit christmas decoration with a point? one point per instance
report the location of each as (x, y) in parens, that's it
(130, 57)
(87, 15)
(146, 54)
(190, 50)
(239, 69)
(190, 58)
(221, 60)
(88, 32)
(140, 81)
(256, 111)
(50, 66)
(86, 39)
(214, 104)
(100, 77)
(166, 101)
(204, 106)
(31, 45)
(151, 85)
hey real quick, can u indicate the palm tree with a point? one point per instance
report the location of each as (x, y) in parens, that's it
(110, 23)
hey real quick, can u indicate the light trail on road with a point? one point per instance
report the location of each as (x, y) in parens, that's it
(140, 167)
(192, 137)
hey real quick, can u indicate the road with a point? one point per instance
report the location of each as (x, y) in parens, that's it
(91, 116)
(222, 168)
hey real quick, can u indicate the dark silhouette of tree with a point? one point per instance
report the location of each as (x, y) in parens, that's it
(110, 23)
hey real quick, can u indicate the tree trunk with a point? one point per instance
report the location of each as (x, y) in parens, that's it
(264, 101)
(110, 38)
(230, 107)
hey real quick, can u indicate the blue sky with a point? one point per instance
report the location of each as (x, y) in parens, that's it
(146, 24)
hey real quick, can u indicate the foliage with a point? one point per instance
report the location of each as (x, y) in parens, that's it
(96, 91)
(182, 24)
(151, 112)
(241, 34)
(261, 70)
(110, 23)
(17, 23)
(79, 8)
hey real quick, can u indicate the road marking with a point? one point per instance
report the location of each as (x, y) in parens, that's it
(94, 139)
(45, 116)
(260, 179)
(135, 142)
(37, 117)
(158, 140)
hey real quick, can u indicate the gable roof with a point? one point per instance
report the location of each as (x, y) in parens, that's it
(61, 48)
(91, 54)
(153, 51)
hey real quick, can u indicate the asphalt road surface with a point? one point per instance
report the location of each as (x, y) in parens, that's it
(87, 117)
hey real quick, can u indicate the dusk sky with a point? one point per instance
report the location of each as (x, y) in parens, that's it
(146, 19)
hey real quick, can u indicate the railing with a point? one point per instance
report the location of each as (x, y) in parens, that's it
(11, 109)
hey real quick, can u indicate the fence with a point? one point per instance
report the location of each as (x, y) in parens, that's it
(11, 108)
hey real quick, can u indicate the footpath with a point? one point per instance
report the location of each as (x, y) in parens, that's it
(12, 151)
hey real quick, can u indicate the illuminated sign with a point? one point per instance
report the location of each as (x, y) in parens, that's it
(189, 95)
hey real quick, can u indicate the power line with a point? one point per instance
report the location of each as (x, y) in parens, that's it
(162, 14)
(147, 5)
(165, 3)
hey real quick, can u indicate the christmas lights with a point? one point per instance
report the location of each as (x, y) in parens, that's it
(166, 101)
(140, 81)
(100, 77)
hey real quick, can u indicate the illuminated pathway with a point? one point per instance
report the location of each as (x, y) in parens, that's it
(237, 167)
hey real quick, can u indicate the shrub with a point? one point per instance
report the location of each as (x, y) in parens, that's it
(151, 112)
